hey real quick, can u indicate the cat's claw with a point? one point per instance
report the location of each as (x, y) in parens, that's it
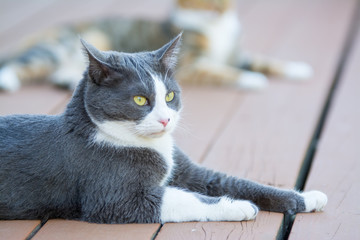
(248, 210)
(314, 201)
(251, 213)
(256, 211)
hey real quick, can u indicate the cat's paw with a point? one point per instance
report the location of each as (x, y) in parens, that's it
(252, 81)
(249, 210)
(8, 80)
(314, 201)
(298, 71)
(238, 210)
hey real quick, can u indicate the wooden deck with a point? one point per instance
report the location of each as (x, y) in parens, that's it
(303, 135)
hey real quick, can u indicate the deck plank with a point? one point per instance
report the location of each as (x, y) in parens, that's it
(256, 141)
(262, 228)
(206, 111)
(65, 229)
(32, 24)
(336, 166)
(12, 14)
(40, 99)
(17, 229)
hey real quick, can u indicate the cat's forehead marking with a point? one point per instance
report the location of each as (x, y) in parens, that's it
(160, 88)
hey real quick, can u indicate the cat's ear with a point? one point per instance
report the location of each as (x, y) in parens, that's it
(99, 71)
(168, 54)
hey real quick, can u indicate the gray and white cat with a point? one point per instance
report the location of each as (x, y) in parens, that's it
(110, 157)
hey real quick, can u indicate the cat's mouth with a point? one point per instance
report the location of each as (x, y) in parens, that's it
(158, 134)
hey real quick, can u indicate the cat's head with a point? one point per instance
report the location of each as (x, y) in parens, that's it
(132, 95)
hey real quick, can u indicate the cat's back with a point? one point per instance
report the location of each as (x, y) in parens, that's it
(21, 133)
(20, 126)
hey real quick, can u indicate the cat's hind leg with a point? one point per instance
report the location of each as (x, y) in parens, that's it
(181, 206)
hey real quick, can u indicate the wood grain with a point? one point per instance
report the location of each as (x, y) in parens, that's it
(262, 228)
(33, 19)
(40, 99)
(336, 166)
(63, 229)
(206, 110)
(16, 229)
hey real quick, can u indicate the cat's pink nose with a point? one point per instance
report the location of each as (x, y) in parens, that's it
(164, 122)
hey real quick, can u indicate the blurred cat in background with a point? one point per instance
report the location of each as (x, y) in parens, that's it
(211, 51)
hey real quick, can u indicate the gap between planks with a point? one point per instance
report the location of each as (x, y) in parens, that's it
(310, 154)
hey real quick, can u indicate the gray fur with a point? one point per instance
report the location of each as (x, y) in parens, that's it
(207, 182)
(51, 168)
(207, 199)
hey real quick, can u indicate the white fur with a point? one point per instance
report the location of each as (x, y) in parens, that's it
(298, 71)
(223, 33)
(252, 80)
(181, 206)
(8, 79)
(222, 30)
(149, 133)
(314, 201)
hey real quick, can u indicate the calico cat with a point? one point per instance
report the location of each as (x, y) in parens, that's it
(110, 157)
(211, 52)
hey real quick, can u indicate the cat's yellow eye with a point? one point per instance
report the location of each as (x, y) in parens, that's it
(139, 100)
(170, 97)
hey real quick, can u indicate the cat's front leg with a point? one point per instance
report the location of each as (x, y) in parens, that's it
(181, 206)
(189, 176)
(267, 197)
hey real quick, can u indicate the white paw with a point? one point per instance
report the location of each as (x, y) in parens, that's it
(298, 71)
(252, 81)
(237, 210)
(314, 201)
(8, 80)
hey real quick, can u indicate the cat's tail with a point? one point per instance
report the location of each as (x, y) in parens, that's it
(274, 67)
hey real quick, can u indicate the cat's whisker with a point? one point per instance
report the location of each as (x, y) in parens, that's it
(184, 129)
